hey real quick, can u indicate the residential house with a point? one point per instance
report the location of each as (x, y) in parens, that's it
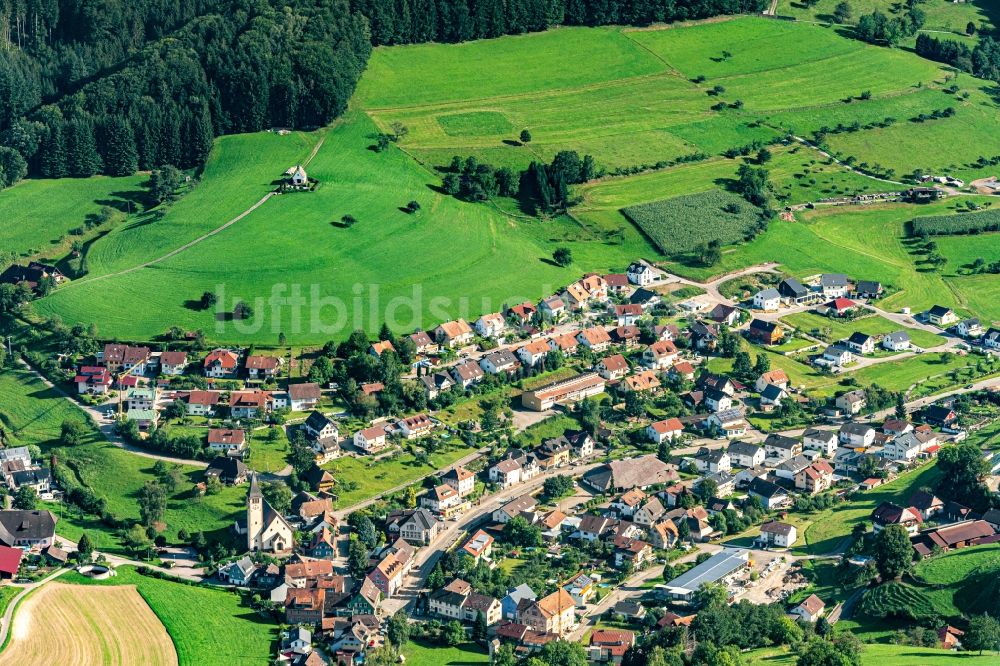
(682, 371)
(780, 448)
(617, 283)
(895, 427)
(250, 404)
(453, 334)
(305, 606)
(415, 426)
(581, 587)
(552, 308)
(644, 381)
(703, 336)
(665, 430)
(716, 400)
(533, 353)
(851, 402)
(815, 478)
(612, 367)
(649, 512)
(724, 314)
(730, 421)
(423, 342)
(522, 314)
(765, 332)
(857, 435)
(772, 396)
(824, 441)
(566, 343)
(778, 535)
(897, 341)
(745, 454)
(660, 355)
(767, 299)
(238, 572)
(581, 441)
(991, 339)
(789, 469)
(663, 535)
(303, 397)
(387, 575)
(839, 307)
(95, 380)
(904, 448)
(440, 499)
(461, 479)
(119, 358)
(553, 452)
(861, 343)
(838, 355)
(632, 552)
(627, 314)
(970, 328)
(626, 504)
(173, 363)
(772, 378)
(939, 416)
(514, 508)
(794, 292)
(502, 360)
(941, 316)
(227, 441)
(771, 495)
(491, 325)
(554, 614)
(262, 367)
(201, 403)
(221, 364)
(589, 289)
(371, 440)
(887, 513)
(927, 503)
(509, 604)
(645, 298)
(810, 610)
(712, 460)
(640, 274)
(479, 546)
(867, 289)
(594, 338)
(436, 384)
(379, 347)
(834, 285)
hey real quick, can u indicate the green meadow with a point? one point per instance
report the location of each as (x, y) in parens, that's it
(37, 215)
(208, 626)
(942, 15)
(881, 655)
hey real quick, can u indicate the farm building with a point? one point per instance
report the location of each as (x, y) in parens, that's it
(716, 569)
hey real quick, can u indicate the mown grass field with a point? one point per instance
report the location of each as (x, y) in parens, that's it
(61, 623)
(449, 259)
(420, 653)
(31, 413)
(36, 214)
(881, 655)
(941, 14)
(208, 626)
(838, 329)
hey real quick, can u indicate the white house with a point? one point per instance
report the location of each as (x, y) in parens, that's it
(904, 448)
(778, 535)
(499, 361)
(491, 325)
(851, 402)
(640, 274)
(861, 343)
(666, 430)
(898, 341)
(370, 440)
(941, 316)
(857, 435)
(767, 299)
(970, 328)
(824, 441)
(533, 353)
(809, 610)
(660, 355)
(838, 355)
(744, 454)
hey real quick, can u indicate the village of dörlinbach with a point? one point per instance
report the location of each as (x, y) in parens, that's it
(479, 333)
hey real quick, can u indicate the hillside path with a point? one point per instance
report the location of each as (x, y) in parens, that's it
(199, 239)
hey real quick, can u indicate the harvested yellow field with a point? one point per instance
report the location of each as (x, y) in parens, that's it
(84, 625)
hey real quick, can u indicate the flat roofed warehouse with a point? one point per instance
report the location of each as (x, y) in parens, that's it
(714, 569)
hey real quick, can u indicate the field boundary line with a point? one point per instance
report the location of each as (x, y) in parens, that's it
(8, 616)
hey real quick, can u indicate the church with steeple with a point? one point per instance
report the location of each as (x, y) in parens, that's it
(267, 530)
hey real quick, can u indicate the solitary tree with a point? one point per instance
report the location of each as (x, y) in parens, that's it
(525, 136)
(983, 634)
(842, 12)
(563, 256)
(893, 552)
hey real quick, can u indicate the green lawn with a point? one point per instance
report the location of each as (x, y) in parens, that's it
(880, 655)
(832, 526)
(7, 594)
(375, 477)
(942, 15)
(35, 214)
(420, 653)
(267, 455)
(840, 329)
(33, 414)
(207, 626)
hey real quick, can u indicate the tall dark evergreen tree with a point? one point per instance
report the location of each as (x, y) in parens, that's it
(82, 158)
(120, 155)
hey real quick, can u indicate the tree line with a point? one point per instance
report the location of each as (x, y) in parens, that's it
(415, 21)
(982, 61)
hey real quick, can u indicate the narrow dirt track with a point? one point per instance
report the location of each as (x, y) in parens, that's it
(82, 625)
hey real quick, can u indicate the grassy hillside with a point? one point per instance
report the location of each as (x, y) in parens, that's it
(37, 215)
(469, 257)
(942, 15)
(881, 655)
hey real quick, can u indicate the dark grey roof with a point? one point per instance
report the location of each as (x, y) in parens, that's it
(642, 296)
(31, 477)
(859, 338)
(833, 280)
(765, 488)
(898, 336)
(771, 392)
(781, 442)
(742, 449)
(792, 287)
(868, 287)
(18, 524)
(317, 421)
(939, 310)
(765, 326)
